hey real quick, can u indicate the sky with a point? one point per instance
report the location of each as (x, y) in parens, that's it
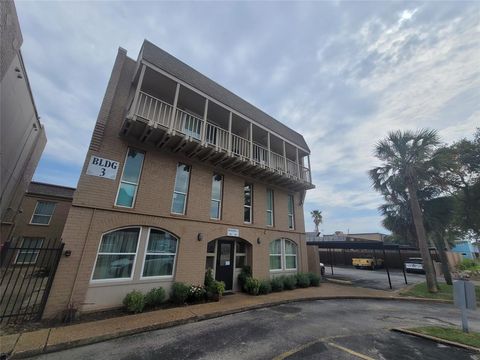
(343, 74)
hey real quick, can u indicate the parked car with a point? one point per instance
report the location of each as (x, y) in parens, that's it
(414, 265)
(368, 262)
(322, 269)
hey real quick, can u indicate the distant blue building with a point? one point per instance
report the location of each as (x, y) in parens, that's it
(467, 249)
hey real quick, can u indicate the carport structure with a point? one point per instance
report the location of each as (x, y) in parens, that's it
(364, 245)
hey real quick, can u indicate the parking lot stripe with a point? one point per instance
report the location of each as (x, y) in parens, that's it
(351, 352)
(295, 350)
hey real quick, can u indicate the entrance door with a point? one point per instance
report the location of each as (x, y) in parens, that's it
(224, 271)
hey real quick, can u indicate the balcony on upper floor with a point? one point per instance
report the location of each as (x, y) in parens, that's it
(168, 114)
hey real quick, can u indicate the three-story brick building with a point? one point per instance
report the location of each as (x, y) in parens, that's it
(181, 175)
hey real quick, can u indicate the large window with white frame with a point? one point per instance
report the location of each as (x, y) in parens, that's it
(127, 190)
(216, 201)
(29, 250)
(248, 203)
(116, 255)
(283, 255)
(43, 213)
(270, 207)
(291, 212)
(180, 192)
(160, 254)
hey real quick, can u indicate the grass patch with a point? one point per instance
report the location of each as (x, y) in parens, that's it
(452, 334)
(445, 292)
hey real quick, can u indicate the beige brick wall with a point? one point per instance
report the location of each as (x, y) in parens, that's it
(93, 213)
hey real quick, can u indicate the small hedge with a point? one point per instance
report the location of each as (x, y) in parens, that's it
(265, 287)
(314, 279)
(303, 280)
(243, 276)
(252, 286)
(155, 297)
(277, 284)
(134, 301)
(179, 293)
(289, 282)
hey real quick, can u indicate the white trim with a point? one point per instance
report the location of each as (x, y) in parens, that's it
(100, 281)
(129, 182)
(50, 216)
(179, 192)
(36, 250)
(226, 107)
(283, 256)
(248, 206)
(219, 201)
(145, 257)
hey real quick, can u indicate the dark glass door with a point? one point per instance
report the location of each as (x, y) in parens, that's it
(224, 271)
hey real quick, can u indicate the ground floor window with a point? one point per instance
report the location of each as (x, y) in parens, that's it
(160, 254)
(283, 255)
(28, 254)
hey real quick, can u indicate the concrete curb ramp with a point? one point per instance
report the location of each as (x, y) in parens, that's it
(437, 339)
(64, 337)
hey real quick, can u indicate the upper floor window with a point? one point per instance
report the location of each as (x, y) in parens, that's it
(291, 212)
(43, 213)
(127, 191)
(247, 204)
(216, 202)
(160, 254)
(269, 207)
(116, 255)
(180, 193)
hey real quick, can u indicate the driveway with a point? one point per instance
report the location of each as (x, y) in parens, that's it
(374, 279)
(326, 329)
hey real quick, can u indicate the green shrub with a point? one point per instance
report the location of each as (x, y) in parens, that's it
(134, 301)
(265, 287)
(209, 279)
(243, 276)
(303, 281)
(314, 279)
(196, 293)
(179, 293)
(289, 282)
(215, 290)
(468, 264)
(252, 286)
(155, 297)
(276, 284)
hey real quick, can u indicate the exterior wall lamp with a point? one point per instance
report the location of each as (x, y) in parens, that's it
(259, 241)
(200, 237)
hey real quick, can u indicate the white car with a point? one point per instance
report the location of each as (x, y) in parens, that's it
(414, 265)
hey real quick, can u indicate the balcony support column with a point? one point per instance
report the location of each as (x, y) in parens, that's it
(309, 170)
(298, 164)
(133, 109)
(204, 127)
(285, 157)
(269, 163)
(251, 142)
(230, 116)
(174, 108)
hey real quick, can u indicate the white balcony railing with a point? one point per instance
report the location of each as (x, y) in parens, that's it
(260, 155)
(153, 109)
(188, 124)
(217, 136)
(159, 112)
(240, 146)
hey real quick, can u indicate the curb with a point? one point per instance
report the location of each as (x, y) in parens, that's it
(339, 281)
(196, 318)
(437, 339)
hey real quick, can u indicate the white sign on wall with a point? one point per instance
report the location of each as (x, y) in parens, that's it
(102, 167)
(233, 232)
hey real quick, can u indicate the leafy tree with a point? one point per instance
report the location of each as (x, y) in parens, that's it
(409, 158)
(317, 218)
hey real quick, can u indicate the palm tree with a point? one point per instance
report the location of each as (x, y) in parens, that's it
(317, 218)
(408, 157)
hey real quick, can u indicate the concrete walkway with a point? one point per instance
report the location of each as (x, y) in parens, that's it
(63, 337)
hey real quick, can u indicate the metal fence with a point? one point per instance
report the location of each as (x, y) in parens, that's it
(27, 269)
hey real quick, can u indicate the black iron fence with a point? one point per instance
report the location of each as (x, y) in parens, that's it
(27, 269)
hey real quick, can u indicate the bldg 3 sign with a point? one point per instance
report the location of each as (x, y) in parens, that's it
(102, 167)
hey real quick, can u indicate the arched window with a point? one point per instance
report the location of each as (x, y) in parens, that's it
(116, 255)
(283, 255)
(160, 254)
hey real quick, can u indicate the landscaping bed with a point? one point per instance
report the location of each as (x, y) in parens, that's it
(445, 292)
(450, 334)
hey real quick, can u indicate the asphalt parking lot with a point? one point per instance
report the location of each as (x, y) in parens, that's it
(325, 329)
(374, 279)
